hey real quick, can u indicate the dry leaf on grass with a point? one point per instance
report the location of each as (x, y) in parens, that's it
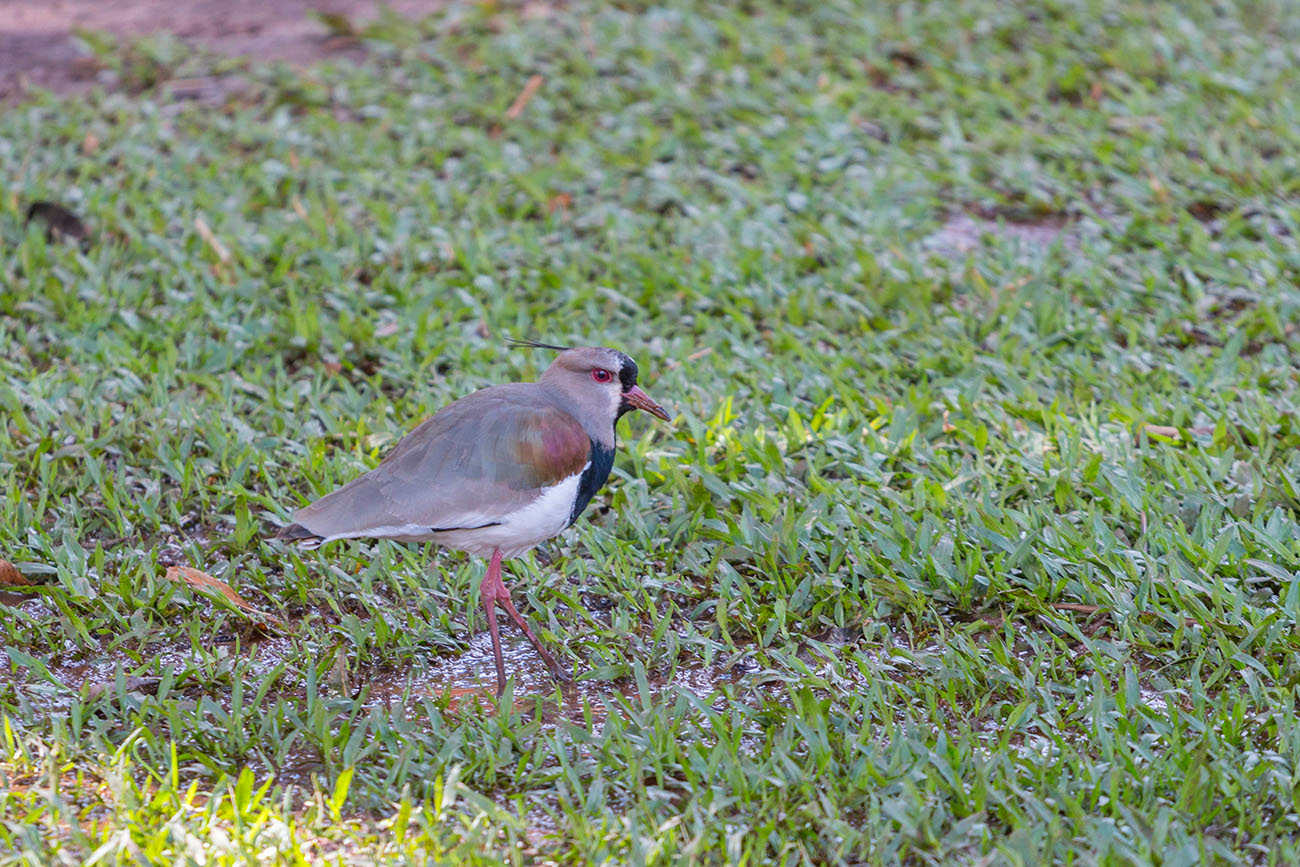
(478, 698)
(1097, 609)
(694, 356)
(210, 238)
(204, 581)
(521, 101)
(481, 700)
(1075, 606)
(1163, 430)
(133, 684)
(10, 576)
(1171, 432)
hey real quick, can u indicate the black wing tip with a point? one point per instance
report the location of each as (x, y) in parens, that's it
(298, 533)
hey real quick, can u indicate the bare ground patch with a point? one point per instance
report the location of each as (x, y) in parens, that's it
(39, 48)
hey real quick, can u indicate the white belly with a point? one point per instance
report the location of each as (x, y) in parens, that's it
(541, 519)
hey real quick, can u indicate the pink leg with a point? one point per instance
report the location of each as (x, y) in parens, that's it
(493, 592)
(487, 596)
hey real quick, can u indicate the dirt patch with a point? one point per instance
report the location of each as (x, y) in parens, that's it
(963, 233)
(39, 48)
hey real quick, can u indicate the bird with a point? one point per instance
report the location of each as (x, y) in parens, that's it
(493, 474)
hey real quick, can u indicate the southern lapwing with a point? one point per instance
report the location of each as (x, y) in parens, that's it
(494, 474)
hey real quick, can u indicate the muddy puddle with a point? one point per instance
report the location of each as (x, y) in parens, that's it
(469, 680)
(464, 680)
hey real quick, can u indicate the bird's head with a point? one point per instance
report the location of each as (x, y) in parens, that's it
(598, 377)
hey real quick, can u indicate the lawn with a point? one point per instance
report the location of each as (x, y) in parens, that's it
(974, 539)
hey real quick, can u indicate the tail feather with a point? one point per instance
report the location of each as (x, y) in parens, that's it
(300, 534)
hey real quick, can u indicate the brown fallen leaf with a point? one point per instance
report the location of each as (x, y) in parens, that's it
(1162, 430)
(1076, 606)
(1171, 432)
(483, 701)
(1097, 609)
(204, 581)
(477, 698)
(133, 684)
(694, 356)
(521, 101)
(201, 226)
(10, 576)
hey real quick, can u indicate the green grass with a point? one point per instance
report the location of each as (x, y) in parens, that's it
(818, 617)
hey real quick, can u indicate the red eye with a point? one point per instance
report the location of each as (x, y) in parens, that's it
(601, 375)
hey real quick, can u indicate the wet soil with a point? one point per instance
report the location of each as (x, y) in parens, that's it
(39, 47)
(466, 679)
(963, 233)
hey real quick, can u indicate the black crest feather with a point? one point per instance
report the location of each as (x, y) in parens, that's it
(526, 341)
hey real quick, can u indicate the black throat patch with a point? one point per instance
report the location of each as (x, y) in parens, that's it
(593, 478)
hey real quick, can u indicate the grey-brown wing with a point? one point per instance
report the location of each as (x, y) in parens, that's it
(471, 465)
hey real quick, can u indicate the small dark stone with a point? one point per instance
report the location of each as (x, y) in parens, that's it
(60, 223)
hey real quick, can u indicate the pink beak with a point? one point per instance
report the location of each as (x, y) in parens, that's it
(637, 398)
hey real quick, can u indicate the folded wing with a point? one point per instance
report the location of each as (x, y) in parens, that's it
(472, 465)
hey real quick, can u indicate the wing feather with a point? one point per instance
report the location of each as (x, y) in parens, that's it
(471, 465)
